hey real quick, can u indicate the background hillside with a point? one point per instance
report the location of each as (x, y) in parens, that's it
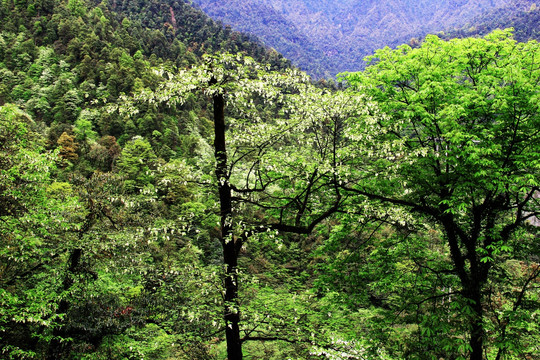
(526, 23)
(326, 37)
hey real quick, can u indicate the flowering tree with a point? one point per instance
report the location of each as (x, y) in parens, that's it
(275, 149)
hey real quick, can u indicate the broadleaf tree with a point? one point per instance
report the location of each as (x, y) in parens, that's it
(458, 147)
(34, 234)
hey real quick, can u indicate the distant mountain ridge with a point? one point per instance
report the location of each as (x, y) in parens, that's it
(325, 37)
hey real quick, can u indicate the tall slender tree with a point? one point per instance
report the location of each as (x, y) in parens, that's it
(275, 138)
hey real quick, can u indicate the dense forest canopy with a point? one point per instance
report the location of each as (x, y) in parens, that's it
(173, 189)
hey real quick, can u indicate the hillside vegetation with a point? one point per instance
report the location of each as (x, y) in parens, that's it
(525, 22)
(173, 189)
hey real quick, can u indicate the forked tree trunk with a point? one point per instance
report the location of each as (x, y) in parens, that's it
(472, 280)
(230, 246)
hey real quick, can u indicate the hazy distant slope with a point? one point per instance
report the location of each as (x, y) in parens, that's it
(325, 37)
(526, 23)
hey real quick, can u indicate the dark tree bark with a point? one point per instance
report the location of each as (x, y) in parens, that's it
(230, 246)
(471, 280)
(476, 342)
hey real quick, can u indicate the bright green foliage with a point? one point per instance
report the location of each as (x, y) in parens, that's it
(459, 145)
(32, 229)
(137, 162)
(111, 239)
(84, 124)
(461, 110)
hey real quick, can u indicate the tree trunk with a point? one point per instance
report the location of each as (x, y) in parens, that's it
(232, 314)
(476, 341)
(230, 246)
(472, 281)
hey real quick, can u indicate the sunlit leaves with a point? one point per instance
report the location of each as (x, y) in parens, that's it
(34, 220)
(459, 145)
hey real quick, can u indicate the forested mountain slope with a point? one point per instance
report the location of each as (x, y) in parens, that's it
(325, 37)
(97, 51)
(163, 199)
(66, 234)
(525, 22)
